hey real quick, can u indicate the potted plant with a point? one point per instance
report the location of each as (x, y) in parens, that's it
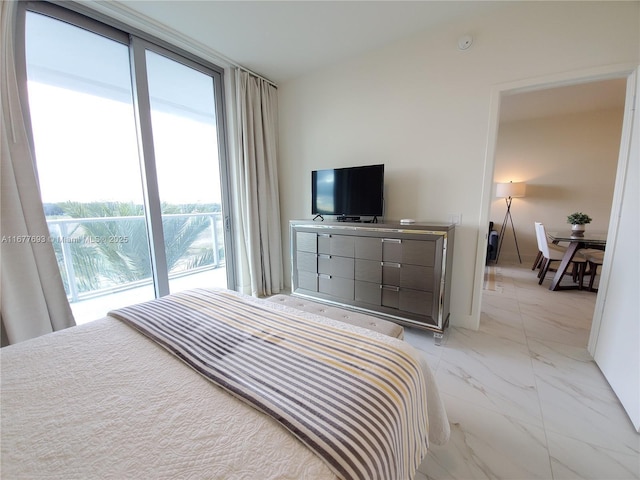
(578, 220)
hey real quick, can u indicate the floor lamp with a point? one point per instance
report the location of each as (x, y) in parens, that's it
(509, 191)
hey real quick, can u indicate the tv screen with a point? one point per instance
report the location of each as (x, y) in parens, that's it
(353, 191)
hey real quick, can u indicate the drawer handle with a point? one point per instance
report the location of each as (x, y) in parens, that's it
(324, 255)
(392, 240)
(324, 275)
(389, 287)
(391, 264)
(324, 235)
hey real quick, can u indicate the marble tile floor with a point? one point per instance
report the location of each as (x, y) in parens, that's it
(524, 398)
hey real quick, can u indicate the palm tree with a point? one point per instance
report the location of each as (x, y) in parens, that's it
(115, 250)
(181, 237)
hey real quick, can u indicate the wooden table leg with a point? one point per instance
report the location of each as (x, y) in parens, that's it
(564, 263)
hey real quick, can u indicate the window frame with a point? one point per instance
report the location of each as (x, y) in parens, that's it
(138, 42)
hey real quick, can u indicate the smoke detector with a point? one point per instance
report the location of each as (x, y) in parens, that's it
(465, 42)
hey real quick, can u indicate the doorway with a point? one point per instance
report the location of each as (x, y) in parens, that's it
(563, 142)
(614, 328)
(497, 96)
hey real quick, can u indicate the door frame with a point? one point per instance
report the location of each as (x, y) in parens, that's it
(609, 72)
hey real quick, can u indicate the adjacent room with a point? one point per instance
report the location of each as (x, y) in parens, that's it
(181, 297)
(563, 143)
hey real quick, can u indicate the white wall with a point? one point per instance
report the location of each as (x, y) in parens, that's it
(422, 107)
(569, 163)
(615, 335)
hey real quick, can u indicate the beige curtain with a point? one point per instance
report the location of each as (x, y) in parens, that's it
(32, 297)
(259, 244)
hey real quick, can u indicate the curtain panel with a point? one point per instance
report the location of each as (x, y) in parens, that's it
(258, 229)
(32, 297)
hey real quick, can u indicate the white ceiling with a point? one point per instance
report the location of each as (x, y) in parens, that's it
(285, 39)
(282, 40)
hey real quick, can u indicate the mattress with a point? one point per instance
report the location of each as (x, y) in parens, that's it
(100, 400)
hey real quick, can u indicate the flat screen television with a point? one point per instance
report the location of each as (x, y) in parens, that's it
(348, 193)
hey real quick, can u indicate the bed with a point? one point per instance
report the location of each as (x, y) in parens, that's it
(140, 394)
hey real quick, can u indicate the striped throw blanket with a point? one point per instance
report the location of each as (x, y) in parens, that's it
(358, 403)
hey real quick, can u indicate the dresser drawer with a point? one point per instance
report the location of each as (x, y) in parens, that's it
(416, 301)
(368, 270)
(407, 276)
(306, 242)
(368, 248)
(390, 296)
(340, 245)
(416, 277)
(307, 261)
(342, 288)
(336, 266)
(414, 252)
(407, 300)
(368, 292)
(308, 281)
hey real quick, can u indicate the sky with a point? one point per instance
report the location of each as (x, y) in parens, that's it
(86, 150)
(84, 128)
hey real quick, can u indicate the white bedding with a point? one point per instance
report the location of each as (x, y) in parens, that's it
(80, 403)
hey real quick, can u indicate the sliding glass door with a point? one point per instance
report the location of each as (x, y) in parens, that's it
(184, 130)
(130, 162)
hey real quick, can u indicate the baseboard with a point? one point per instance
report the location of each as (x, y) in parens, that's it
(464, 321)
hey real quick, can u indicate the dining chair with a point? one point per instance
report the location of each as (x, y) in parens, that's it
(537, 263)
(550, 252)
(595, 259)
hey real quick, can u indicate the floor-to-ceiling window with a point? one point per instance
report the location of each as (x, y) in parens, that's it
(129, 146)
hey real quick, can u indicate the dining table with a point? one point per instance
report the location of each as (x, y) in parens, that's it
(595, 240)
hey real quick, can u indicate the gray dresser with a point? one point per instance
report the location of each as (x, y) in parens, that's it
(398, 272)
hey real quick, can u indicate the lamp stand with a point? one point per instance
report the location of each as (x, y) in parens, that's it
(507, 219)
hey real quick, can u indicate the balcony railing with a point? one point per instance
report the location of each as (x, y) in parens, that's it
(102, 255)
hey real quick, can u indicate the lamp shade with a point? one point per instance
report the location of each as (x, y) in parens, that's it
(511, 189)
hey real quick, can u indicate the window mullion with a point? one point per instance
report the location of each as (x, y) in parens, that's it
(147, 158)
